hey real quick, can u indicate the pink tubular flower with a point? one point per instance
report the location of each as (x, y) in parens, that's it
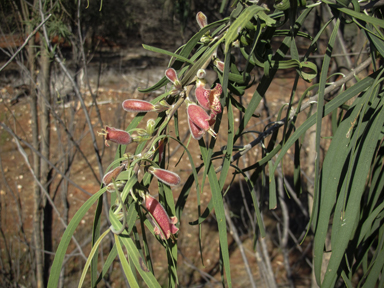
(201, 19)
(196, 132)
(116, 136)
(107, 179)
(164, 226)
(200, 118)
(209, 98)
(136, 106)
(168, 177)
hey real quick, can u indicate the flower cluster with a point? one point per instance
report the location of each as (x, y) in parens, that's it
(202, 110)
(209, 102)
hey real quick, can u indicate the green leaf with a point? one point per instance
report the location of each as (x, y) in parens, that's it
(252, 190)
(361, 16)
(187, 49)
(272, 187)
(228, 153)
(135, 256)
(90, 257)
(66, 238)
(362, 161)
(126, 268)
(241, 21)
(221, 222)
(165, 52)
(111, 257)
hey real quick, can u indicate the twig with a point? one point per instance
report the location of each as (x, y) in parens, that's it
(85, 64)
(236, 237)
(9, 130)
(269, 275)
(70, 136)
(25, 156)
(77, 92)
(203, 274)
(332, 87)
(25, 42)
(293, 194)
(16, 199)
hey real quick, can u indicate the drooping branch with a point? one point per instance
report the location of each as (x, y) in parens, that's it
(293, 112)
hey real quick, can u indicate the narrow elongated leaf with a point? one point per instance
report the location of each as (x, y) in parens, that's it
(241, 21)
(362, 16)
(375, 271)
(90, 257)
(127, 269)
(362, 164)
(226, 159)
(66, 238)
(272, 187)
(319, 116)
(111, 257)
(165, 52)
(134, 254)
(187, 49)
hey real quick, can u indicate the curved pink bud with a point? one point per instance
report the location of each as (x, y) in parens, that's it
(201, 19)
(200, 118)
(196, 132)
(136, 106)
(107, 179)
(168, 177)
(164, 225)
(171, 74)
(116, 136)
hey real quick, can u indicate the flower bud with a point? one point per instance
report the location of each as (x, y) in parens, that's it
(116, 136)
(201, 74)
(201, 19)
(136, 106)
(236, 43)
(200, 118)
(206, 39)
(171, 74)
(107, 179)
(168, 177)
(163, 225)
(119, 186)
(219, 65)
(150, 126)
